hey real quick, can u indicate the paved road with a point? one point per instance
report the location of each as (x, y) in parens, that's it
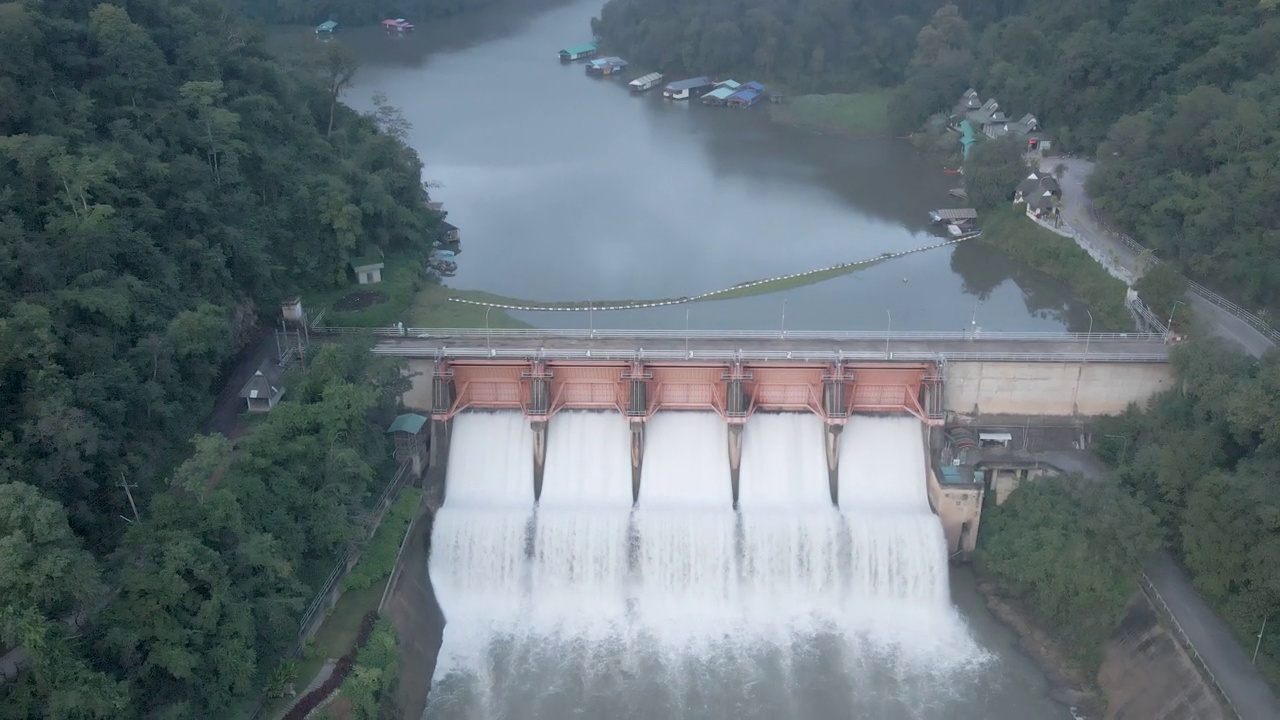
(1079, 215)
(1058, 348)
(1212, 639)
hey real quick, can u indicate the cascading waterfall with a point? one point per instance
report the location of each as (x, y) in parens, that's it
(579, 567)
(899, 556)
(478, 537)
(792, 537)
(682, 607)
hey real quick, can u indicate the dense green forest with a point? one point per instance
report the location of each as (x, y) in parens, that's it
(1204, 457)
(1175, 97)
(164, 183)
(1071, 548)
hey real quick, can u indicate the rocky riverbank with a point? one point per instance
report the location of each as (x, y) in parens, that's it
(1071, 684)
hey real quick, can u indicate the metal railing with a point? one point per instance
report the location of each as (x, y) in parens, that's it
(1162, 607)
(823, 356)
(836, 335)
(1251, 319)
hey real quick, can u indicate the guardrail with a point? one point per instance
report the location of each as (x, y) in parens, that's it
(1257, 323)
(823, 356)
(606, 334)
(1162, 607)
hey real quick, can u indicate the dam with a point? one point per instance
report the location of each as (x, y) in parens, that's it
(711, 533)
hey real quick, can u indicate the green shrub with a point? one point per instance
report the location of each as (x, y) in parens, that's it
(379, 556)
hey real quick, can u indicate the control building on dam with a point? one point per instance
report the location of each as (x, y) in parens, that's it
(938, 378)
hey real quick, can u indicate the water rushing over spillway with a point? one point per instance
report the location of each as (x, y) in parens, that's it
(682, 606)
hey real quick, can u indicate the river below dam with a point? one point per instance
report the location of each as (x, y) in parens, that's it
(568, 187)
(681, 606)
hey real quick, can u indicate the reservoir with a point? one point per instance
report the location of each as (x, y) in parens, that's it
(569, 187)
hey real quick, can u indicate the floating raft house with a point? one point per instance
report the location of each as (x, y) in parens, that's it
(606, 66)
(578, 52)
(721, 93)
(646, 83)
(953, 215)
(681, 89)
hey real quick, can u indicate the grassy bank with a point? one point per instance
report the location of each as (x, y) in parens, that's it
(385, 303)
(1011, 231)
(863, 114)
(431, 308)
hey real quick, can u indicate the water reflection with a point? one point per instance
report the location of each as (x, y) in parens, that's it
(570, 188)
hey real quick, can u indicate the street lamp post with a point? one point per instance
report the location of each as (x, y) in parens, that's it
(1259, 643)
(591, 317)
(686, 330)
(487, 344)
(888, 331)
(784, 318)
(1088, 336)
(973, 320)
(1172, 310)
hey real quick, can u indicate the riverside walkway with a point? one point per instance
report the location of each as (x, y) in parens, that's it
(764, 345)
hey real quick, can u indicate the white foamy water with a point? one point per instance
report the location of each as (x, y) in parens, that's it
(579, 568)
(686, 565)
(684, 608)
(898, 551)
(477, 565)
(792, 537)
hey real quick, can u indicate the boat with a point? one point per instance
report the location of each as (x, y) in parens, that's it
(397, 25)
(646, 82)
(328, 27)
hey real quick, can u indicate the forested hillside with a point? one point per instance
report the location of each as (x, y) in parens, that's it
(163, 184)
(1204, 457)
(1184, 92)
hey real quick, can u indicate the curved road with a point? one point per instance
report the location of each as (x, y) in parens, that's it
(1207, 633)
(1079, 214)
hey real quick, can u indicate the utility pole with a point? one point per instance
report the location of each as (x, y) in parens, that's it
(124, 483)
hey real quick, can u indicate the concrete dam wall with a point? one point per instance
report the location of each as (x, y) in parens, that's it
(1051, 388)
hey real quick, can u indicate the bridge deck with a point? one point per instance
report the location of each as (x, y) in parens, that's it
(907, 346)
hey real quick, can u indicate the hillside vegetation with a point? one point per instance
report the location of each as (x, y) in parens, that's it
(163, 184)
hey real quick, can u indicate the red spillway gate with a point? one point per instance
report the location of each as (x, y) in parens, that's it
(638, 389)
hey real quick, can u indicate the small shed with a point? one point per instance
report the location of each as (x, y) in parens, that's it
(368, 269)
(994, 439)
(409, 434)
(292, 311)
(328, 27)
(263, 390)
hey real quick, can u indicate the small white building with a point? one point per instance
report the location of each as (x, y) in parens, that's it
(368, 269)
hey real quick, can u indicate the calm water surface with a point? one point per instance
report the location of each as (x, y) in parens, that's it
(568, 187)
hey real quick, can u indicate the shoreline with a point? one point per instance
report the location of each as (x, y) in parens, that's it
(1069, 684)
